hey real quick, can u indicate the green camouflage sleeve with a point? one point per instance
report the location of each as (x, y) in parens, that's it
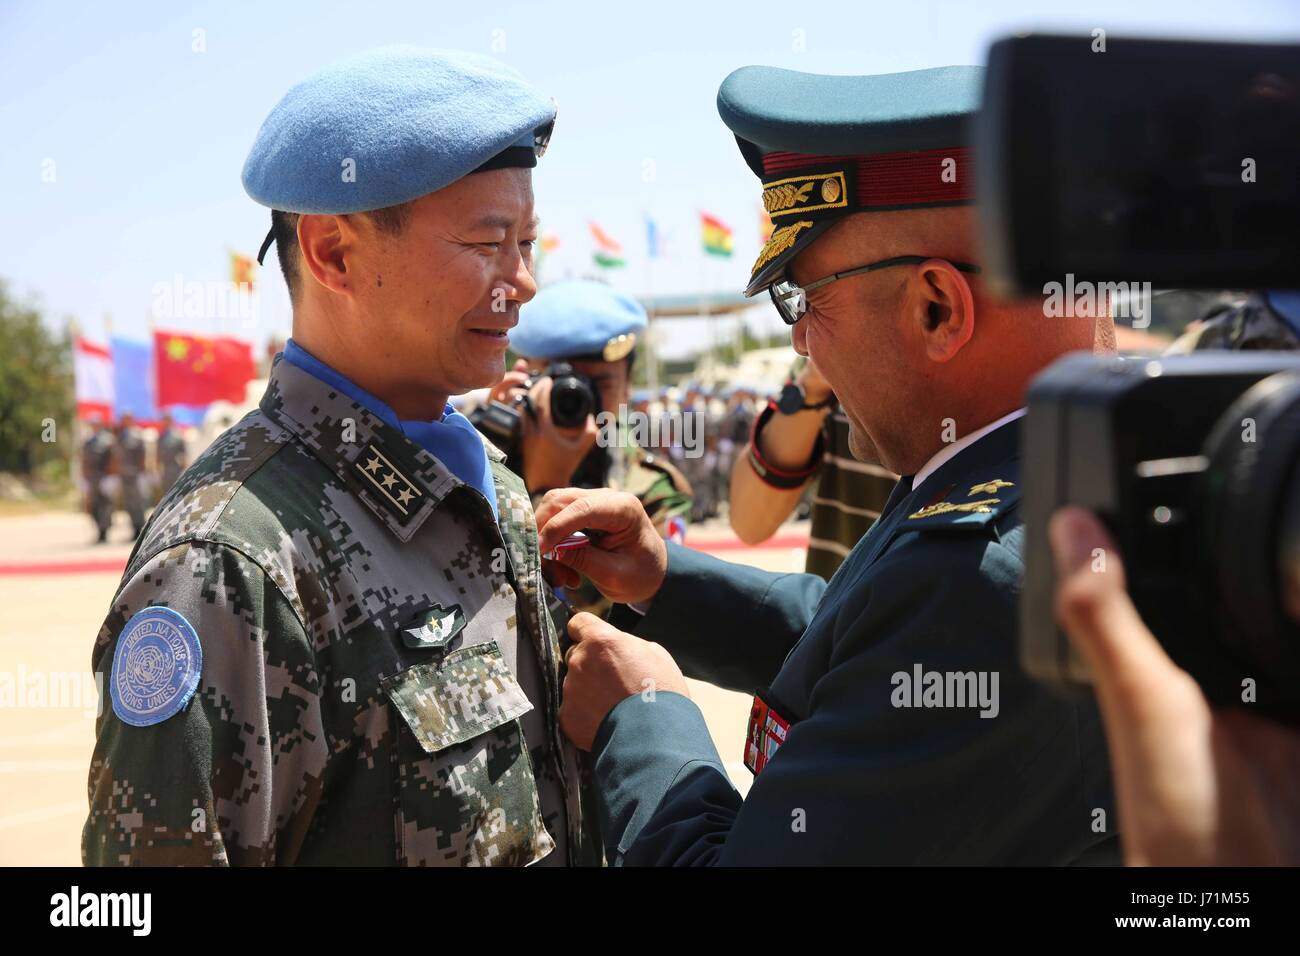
(663, 501)
(234, 777)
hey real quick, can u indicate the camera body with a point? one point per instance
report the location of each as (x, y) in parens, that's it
(574, 397)
(1193, 463)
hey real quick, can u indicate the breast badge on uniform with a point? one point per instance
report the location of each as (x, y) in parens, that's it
(434, 628)
(156, 667)
(766, 732)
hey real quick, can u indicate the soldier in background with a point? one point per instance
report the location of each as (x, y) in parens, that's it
(131, 468)
(96, 466)
(698, 463)
(170, 453)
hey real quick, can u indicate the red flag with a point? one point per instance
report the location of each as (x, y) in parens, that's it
(196, 370)
(92, 367)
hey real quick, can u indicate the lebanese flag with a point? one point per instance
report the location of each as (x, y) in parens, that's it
(196, 370)
(92, 371)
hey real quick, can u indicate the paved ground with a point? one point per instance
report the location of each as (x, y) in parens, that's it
(54, 589)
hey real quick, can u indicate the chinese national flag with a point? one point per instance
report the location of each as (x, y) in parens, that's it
(196, 370)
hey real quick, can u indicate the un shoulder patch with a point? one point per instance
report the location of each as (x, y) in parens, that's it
(156, 667)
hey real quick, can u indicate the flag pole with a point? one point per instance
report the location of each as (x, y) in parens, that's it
(651, 348)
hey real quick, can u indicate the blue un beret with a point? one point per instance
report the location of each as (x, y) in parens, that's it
(411, 121)
(578, 317)
(826, 147)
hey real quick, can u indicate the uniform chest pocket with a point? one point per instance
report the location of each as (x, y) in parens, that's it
(466, 792)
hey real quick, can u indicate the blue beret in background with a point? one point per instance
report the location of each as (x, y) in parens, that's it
(577, 317)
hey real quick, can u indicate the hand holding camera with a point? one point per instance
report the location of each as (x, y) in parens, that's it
(545, 423)
(1195, 784)
(554, 437)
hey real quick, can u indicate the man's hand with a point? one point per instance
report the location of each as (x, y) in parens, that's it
(627, 563)
(512, 386)
(606, 665)
(815, 387)
(552, 454)
(1195, 785)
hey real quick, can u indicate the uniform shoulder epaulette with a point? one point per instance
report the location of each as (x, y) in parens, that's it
(664, 466)
(974, 502)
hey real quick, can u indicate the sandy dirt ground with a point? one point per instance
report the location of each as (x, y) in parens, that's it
(54, 590)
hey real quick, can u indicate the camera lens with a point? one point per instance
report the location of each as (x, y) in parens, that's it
(572, 396)
(1251, 543)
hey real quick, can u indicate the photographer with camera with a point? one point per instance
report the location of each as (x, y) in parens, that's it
(1199, 778)
(577, 342)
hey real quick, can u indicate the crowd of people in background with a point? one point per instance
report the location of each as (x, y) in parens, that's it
(726, 415)
(129, 468)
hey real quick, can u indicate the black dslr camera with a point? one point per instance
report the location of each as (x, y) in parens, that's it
(1091, 171)
(574, 397)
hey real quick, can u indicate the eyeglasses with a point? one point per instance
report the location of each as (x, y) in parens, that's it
(791, 300)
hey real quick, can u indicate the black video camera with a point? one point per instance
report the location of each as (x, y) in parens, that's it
(1177, 164)
(1193, 463)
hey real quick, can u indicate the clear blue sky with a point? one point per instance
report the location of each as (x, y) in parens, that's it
(148, 137)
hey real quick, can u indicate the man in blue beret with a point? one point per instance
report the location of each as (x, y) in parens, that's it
(891, 722)
(584, 330)
(331, 645)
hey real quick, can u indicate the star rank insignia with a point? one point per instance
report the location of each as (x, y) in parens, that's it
(394, 488)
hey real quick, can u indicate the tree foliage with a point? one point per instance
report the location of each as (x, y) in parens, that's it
(35, 391)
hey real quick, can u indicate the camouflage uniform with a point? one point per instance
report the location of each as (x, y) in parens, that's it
(130, 447)
(171, 457)
(326, 728)
(96, 465)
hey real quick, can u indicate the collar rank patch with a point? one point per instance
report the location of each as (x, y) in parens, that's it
(434, 628)
(397, 492)
(766, 732)
(156, 667)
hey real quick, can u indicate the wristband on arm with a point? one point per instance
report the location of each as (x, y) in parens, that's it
(768, 473)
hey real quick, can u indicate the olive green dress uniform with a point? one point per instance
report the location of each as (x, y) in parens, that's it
(328, 728)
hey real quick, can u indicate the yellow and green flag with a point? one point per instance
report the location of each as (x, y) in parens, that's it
(716, 235)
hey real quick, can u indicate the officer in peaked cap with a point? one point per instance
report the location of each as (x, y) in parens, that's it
(334, 613)
(891, 722)
(594, 330)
